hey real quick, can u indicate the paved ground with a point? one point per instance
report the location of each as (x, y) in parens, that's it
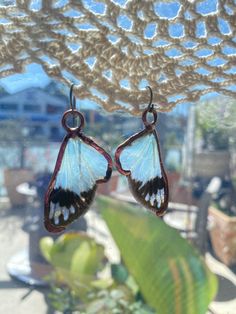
(15, 297)
(18, 298)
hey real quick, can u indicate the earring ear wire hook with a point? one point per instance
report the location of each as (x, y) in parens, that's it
(72, 102)
(150, 105)
(72, 98)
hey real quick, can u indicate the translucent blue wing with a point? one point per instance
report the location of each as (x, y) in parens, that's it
(80, 166)
(139, 158)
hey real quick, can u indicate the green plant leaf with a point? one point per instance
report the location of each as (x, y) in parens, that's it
(75, 252)
(87, 259)
(131, 283)
(119, 273)
(64, 248)
(46, 245)
(76, 258)
(102, 283)
(172, 276)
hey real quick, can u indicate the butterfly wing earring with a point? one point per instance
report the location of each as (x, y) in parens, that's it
(81, 164)
(139, 158)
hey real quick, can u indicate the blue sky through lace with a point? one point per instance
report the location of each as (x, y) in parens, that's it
(34, 75)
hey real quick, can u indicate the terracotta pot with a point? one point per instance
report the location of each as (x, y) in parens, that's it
(223, 235)
(12, 178)
(110, 186)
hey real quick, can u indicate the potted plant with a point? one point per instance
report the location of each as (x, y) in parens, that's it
(157, 274)
(78, 283)
(13, 137)
(222, 217)
(216, 129)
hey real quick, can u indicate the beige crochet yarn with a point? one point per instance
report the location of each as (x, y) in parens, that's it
(113, 49)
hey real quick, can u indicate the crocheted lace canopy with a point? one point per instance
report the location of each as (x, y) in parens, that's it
(113, 48)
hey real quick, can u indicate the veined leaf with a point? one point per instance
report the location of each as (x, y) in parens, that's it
(87, 259)
(172, 276)
(75, 253)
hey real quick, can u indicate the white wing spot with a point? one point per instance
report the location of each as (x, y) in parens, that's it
(152, 199)
(56, 220)
(65, 213)
(162, 195)
(52, 210)
(56, 212)
(72, 210)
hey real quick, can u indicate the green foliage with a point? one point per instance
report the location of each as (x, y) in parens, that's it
(171, 275)
(117, 301)
(119, 273)
(46, 245)
(75, 288)
(214, 139)
(219, 113)
(216, 123)
(62, 299)
(75, 252)
(76, 259)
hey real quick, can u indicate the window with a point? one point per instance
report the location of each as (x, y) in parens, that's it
(8, 107)
(54, 109)
(32, 108)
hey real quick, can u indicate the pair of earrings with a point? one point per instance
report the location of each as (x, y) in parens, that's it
(82, 164)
